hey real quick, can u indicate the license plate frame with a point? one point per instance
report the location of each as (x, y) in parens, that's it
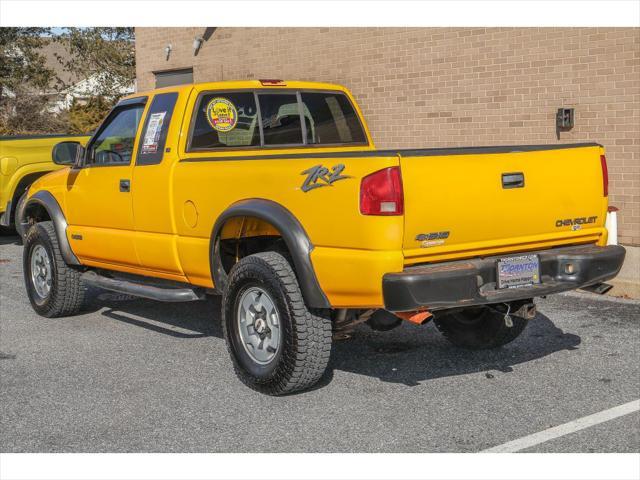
(517, 272)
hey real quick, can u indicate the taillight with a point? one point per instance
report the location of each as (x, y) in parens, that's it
(605, 175)
(381, 193)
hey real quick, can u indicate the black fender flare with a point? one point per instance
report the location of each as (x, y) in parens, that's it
(50, 204)
(293, 234)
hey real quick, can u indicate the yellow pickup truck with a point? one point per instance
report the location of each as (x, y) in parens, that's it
(272, 194)
(23, 159)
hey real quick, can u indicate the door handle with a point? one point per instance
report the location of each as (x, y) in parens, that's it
(513, 180)
(125, 185)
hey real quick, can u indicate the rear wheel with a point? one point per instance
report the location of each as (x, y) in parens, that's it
(54, 288)
(277, 344)
(479, 328)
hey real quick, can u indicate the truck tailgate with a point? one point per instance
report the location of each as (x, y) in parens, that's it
(474, 202)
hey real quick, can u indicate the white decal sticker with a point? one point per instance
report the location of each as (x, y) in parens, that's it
(152, 135)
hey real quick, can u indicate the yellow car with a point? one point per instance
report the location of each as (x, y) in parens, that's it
(23, 159)
(272, 194)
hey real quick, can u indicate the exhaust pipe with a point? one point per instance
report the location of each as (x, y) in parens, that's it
(599, 288)
(383, 320)
(417, 318)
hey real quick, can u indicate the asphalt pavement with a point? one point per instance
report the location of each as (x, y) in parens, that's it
(133, 375)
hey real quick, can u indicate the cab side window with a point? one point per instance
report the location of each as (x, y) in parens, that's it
(114, 143)
(155, 130)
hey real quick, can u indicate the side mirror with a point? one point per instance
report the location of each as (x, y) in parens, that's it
(67, 153)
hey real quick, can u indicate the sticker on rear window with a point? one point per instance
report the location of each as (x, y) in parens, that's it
(222, 114)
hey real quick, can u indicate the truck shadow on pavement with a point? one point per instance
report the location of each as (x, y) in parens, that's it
(181, 320)
(411, 354)
(407, 355)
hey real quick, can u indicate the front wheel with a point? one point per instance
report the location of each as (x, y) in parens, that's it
(54, 288)
(276, 343)
(479, 328)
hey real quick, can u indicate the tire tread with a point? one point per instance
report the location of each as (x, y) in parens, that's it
(305, 362)
(68, 292)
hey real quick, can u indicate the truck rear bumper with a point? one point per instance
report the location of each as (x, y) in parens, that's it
(473, 282)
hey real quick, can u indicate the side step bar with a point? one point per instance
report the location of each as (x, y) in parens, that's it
(152, 292)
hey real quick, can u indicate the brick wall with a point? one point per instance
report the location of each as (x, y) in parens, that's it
(435, 87)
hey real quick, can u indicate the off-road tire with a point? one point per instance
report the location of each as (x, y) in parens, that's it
(479, 328)
(305, 347)
(67, 294)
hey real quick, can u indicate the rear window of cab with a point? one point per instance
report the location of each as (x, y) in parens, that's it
(273, 118)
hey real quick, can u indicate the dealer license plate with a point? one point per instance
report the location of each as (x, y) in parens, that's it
(514, 272)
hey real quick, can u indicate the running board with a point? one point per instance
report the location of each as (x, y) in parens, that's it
(152, 292)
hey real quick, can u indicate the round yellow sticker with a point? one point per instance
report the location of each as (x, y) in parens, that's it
(222, 114)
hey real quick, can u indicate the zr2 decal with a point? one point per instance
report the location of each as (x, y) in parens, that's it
(319, 176)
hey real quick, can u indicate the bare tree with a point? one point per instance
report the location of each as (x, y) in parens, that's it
(104, 54)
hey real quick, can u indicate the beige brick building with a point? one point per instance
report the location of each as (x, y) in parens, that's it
(436, 87)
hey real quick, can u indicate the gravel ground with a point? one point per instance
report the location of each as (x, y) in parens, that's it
(133, 375)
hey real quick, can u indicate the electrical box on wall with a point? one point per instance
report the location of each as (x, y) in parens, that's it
(564, 118)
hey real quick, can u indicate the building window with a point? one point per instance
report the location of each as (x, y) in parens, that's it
(174, 77)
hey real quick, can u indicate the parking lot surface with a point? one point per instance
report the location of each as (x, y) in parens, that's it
(133, 375)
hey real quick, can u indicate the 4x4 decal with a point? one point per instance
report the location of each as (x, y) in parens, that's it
(319, 176)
